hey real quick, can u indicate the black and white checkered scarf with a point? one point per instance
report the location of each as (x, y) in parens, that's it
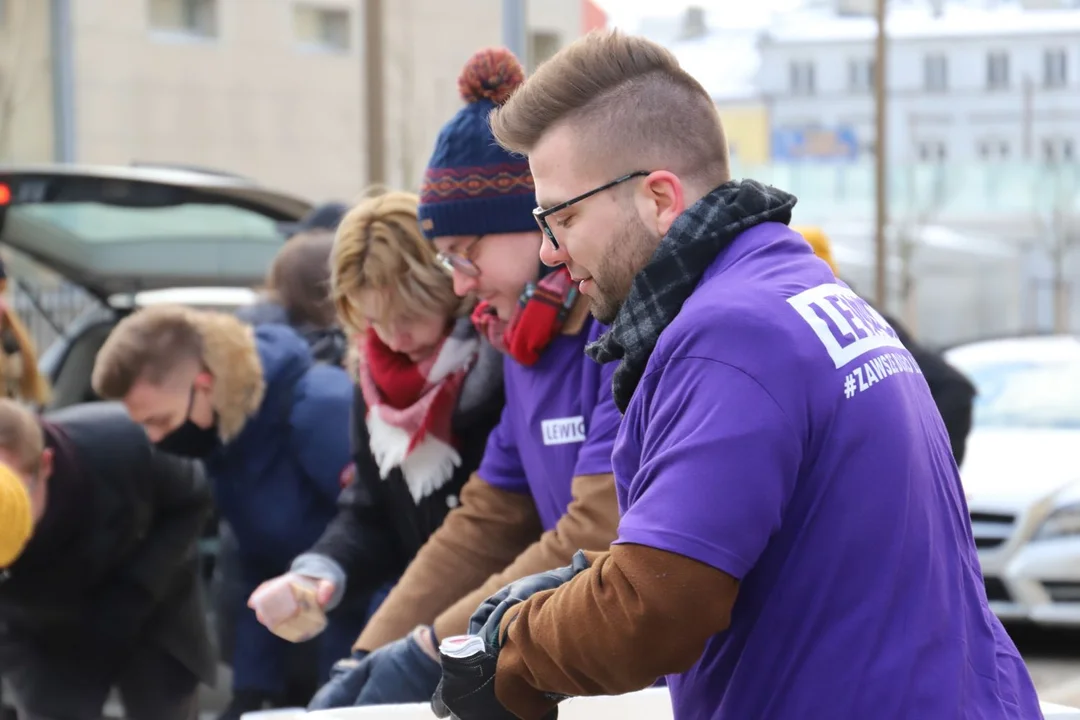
(659, 290)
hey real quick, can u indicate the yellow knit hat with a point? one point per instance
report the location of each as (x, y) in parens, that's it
(16, 517)
(819, 242)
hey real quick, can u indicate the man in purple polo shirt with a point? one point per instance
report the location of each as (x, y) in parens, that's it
(794, 541)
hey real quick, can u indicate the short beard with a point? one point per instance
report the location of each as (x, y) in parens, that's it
(629, 252)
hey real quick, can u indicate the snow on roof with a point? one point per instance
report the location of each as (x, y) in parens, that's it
(918, 22)
(725, 60)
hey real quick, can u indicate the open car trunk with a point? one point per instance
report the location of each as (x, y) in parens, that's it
(120, 230)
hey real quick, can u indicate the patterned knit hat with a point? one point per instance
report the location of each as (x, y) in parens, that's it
(16, 519)
(472, 186)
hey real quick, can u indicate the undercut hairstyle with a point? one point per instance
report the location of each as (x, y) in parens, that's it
(630, 105)
(149, 345)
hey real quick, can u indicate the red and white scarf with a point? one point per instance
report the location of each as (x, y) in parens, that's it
(410, 407)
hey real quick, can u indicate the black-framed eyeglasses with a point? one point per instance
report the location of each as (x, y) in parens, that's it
(542, 214)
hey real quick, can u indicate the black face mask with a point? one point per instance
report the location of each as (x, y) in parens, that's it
(190, 440)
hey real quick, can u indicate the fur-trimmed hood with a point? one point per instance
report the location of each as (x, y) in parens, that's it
(232, 357)
(285, 420)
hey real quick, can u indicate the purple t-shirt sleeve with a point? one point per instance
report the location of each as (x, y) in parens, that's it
(602, 426)
(719, 463)
(501, 466)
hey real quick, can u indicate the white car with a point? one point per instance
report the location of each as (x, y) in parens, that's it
(1021, 474)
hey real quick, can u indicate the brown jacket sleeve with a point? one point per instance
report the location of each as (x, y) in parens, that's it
(485, 533)
(590, 523)
(635, 615)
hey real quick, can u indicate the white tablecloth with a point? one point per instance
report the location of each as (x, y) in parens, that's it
(652, 704)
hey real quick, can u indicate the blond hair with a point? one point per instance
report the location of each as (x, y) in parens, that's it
(21, 374)
(150, 344)
(634, 107)
(380, 247)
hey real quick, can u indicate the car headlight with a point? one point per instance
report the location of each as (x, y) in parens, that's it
(1062, 522)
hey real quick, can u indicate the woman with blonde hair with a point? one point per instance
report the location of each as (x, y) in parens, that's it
(428, 393)
(18, 355)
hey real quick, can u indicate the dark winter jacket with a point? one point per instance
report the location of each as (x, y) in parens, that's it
(114, 560)
(277, 481)
(327, 344)
(379, 527)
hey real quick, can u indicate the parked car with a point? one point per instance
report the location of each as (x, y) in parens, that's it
(1021, 475)
(135, 236)
(122, 232)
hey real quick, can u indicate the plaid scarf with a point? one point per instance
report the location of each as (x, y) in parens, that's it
(659, 290)
(410, 406)
(540, 314)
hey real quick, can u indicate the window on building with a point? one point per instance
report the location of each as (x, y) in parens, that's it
(190, 17)
(1058, 150)
(542, 45)
(1055, 68)
(3, 13)
(860, 76)
(997, 70)
(931, 151)
(993, 150)
(322, 28)
(935, 73)
(801, 77)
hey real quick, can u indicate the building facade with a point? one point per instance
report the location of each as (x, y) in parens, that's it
(275, 90)
(965, 84)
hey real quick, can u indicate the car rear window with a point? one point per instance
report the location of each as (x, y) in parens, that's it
(108, 223)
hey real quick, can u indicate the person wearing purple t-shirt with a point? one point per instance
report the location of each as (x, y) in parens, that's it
(794, 540)
(544, 487)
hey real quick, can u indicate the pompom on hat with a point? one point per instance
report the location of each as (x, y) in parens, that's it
(16, 516)
(472, 186)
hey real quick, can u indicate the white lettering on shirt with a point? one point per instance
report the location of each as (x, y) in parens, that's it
(845, 324)
(563, 431)
(863, 376)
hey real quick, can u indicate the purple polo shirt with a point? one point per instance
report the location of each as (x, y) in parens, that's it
(783, 435)
(559, 422)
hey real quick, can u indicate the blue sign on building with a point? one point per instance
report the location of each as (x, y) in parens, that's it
(815, 143)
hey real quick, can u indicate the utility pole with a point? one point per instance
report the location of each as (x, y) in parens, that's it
(1028, 117)
(880, 158)
(515, 37)
(375, 96)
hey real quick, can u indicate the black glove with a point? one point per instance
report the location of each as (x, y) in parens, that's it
(488, 617)
(344, 684)
(400, 672)
(467, 688)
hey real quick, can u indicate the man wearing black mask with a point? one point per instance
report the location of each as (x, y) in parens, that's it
(272, 427)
